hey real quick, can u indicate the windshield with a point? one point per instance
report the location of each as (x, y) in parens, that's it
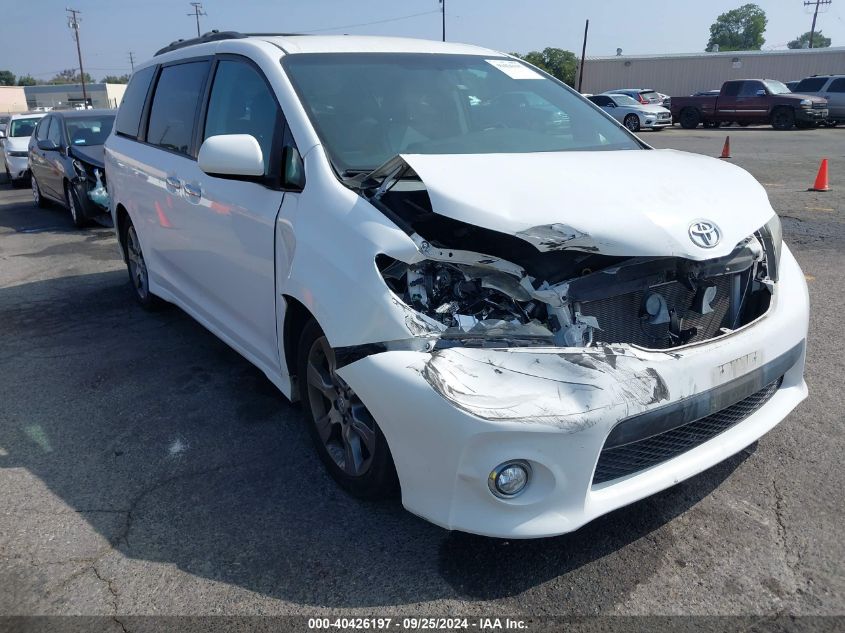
(625, 100)
(23, 127)
(89, 130)
(776, 87)
(368, 107)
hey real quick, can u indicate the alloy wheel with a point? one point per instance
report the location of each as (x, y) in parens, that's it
(137, 266)
(343, 423)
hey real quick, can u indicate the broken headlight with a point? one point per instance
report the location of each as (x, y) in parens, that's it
(771, 235)
(80, 170)
(465, 301)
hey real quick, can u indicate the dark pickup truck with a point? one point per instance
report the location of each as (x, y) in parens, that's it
(747, 101)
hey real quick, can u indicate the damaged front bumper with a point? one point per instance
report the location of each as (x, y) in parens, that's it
(452, 415)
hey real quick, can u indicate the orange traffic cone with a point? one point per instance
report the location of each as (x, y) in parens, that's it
(726, 150)
(821, 183)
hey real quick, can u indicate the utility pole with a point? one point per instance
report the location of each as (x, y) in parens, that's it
(132, 60)
(443, 13)
(817, 3)
(583, 55)
(197, 13)
(73, 22)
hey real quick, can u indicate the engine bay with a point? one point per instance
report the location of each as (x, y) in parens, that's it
(506, 291)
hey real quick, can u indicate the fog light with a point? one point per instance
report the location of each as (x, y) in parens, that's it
(509, 479)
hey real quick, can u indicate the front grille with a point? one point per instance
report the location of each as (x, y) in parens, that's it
(620, 322)
(633, 457)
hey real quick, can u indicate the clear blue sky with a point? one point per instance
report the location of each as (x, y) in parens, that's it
(35, 38)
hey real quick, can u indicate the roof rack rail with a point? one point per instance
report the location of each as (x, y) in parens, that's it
(211, 36)
(216, 36)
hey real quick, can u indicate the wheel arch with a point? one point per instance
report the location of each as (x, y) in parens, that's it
(295, 318)
(121, 222)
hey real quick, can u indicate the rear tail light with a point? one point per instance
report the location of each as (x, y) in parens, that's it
(643, 99)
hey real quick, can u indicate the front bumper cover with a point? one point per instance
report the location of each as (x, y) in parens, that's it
(452, 415)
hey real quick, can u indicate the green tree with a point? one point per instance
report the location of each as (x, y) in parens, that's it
(27, 80)
(7, 78)
(70, 76)
(557, 62)
(803, 40)
(739, 30)
(116, 79)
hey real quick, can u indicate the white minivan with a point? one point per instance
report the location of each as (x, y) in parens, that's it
(466, 272)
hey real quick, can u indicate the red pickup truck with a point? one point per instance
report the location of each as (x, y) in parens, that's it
(747, 101)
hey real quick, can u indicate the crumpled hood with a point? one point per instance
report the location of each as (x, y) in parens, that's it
(93, 154)
(626, 203)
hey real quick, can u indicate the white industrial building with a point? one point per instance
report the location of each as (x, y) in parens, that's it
(70, 95)
(685, 74)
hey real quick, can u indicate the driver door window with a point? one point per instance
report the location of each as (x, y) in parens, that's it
(241, 103)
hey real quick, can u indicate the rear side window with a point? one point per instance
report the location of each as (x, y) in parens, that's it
(177, 96)
(731, 89)
(600, 101)
(811, 84)
(129, 115)
(837, 85)
(241, 103)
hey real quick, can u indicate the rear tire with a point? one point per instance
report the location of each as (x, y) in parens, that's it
(348, 440)
(783, 119)
(690, 118)
(37, 198)
(632, 122)
(139, 277)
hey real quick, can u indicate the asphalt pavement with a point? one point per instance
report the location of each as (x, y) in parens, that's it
(146, 468)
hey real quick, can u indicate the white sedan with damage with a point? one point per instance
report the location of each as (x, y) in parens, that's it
(484, 302)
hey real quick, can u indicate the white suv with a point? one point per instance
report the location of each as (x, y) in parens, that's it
(462, 268)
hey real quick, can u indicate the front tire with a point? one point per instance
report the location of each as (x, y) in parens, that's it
(348, 440)
(783, 119)
(632, 122)
(136, 265)
(74, 206)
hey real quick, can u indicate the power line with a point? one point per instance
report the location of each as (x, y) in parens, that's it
(809, 3)
(73, 23)
(196, 14)
(350, 26)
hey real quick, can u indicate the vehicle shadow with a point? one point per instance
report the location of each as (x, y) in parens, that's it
(178, 451)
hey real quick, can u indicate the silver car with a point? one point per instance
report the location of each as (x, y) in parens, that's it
(832, 88)
(634, 115)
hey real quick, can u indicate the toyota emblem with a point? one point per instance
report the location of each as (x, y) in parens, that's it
(704, 234)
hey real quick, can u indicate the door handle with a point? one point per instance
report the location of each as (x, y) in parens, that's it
(173, 183)
(193, 191)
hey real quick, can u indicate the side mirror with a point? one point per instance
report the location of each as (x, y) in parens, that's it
(47, 145)
(761, 93)
(293, 169)
(610, 105)
(2, 133)
(231, 155)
